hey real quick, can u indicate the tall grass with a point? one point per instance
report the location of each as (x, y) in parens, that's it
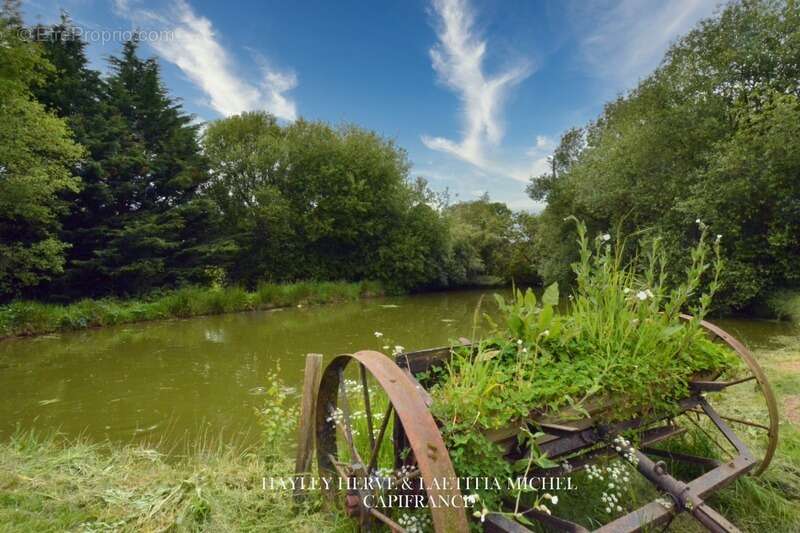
(50, 484)
(35, 318)
(621, 335)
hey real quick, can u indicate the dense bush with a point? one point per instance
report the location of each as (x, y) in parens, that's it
(619, 341)
(36, 151)
(308, 201)
(714, 134)
(491, 242)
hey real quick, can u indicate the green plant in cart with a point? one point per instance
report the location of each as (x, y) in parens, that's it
(620, 340)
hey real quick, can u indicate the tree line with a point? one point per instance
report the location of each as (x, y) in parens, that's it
(711, 137)
(109, 188)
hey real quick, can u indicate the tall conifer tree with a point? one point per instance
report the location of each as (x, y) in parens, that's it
(137, 223)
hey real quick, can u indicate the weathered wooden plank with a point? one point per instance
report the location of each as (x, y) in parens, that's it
(305, 431)
(423, 360)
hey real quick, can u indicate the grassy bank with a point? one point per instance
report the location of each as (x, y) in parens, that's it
(49, 484)
(34, 318)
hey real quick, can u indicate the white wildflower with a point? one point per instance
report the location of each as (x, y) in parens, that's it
(664, 502)
(641, 295)
(481, 514)
(378, 334)
(606, 237)
(543, 508)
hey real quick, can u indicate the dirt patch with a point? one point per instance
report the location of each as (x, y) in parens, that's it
(791, 408)
(789, 366)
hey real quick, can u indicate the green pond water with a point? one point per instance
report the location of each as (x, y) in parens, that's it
(178, 381)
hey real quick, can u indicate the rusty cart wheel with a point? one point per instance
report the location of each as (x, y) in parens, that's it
(758, 416)
(376, 439)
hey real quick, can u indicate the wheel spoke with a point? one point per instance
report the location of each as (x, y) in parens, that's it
(367, 408)
(338, 466)
(737, 420)
(423, 448)
(348, 428)
(739, 381)
(376, 447)
(357, 457)
(394, 526)
(709, 436)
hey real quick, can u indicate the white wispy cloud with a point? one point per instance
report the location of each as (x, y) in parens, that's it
(625, 40)
(197, 51)
(458, 59)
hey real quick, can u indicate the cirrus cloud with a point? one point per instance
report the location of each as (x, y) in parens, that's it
(458, 59)
(195, 49)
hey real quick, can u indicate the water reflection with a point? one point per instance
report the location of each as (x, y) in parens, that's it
(175, 379)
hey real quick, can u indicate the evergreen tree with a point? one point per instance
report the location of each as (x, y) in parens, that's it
(137, 223)
(78, 94)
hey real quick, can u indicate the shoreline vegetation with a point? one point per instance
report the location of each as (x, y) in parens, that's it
(29, 318)
(785, 305)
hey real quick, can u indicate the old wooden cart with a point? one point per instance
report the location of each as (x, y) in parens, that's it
(398, 428)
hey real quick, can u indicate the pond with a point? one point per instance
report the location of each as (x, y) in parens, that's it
(177, 381)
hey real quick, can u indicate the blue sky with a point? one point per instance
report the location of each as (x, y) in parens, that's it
(478, 92)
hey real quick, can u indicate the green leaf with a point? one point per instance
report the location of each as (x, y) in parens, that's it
(545, 317)
(550, 296)
(530, 299)
(520, 465)
(545, 462)
(515, 325)
(671, 330)
(522, 519)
